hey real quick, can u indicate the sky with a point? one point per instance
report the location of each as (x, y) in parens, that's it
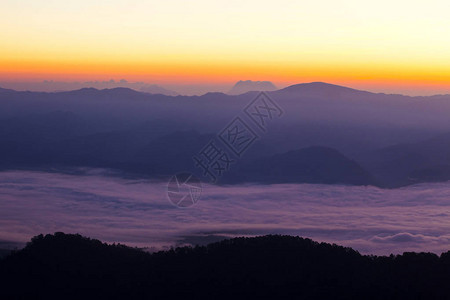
(391, 46)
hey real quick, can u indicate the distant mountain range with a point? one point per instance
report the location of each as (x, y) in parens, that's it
(328, 134)
(68, 266)
(244, 86)
(59, 86)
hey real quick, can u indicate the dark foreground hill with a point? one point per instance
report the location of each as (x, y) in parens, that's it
(269, 267)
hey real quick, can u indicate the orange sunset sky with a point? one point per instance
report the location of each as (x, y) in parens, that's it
(390, 46)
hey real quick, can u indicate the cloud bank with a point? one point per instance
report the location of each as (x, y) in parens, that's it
(138, 213)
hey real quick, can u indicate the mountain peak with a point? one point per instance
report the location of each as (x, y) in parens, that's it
(244, 86)
(320, 89)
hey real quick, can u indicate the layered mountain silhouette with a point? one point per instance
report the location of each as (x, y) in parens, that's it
(135, 152)
(277, 267)
(244, 86)
(154, 134)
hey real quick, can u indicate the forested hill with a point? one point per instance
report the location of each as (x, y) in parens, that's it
(66, 266)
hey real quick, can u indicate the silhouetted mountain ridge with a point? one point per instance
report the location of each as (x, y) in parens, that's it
(408, 163)
(112, 128)
(314, 164)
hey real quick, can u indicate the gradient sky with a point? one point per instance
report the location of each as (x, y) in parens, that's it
(399, 46)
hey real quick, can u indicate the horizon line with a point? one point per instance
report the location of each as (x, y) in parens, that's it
(123, 81)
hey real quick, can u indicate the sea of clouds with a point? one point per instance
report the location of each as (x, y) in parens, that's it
(138, 212)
